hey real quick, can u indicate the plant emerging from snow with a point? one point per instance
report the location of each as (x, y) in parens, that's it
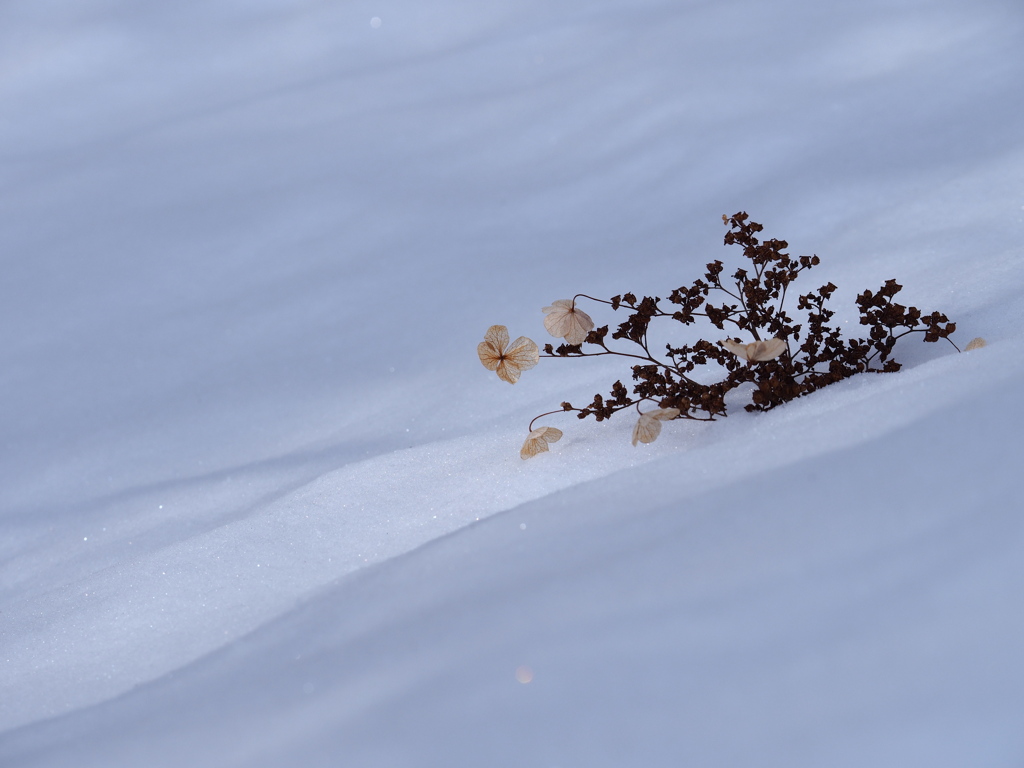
(780, 359)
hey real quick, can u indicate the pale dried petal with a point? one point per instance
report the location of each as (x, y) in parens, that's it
(538, 441)
(490, 350)
(551, 434)
(646, 430)
(740, 350)
(757, 351)
(497, 335)
(522, 355)
(532, 447)
(648, 426)
(663, 414)
(581, 328)
(556, 320)
(565, 320)
(508, 372)
(488, 356)
(977, 343)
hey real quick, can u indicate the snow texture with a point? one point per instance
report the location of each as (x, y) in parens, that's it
(261, 504)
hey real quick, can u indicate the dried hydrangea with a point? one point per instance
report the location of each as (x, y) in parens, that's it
(538, 441)
(564, 320)
(508, 360)
(648, 426)
(796, 351)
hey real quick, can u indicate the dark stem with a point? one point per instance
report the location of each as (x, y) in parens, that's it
(551, 413)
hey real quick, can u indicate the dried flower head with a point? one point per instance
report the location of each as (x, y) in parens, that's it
(756, 351)
(648, 426)
(796, 350)
(509, 360)
(538, 441)
(566, 321)
(977, 343)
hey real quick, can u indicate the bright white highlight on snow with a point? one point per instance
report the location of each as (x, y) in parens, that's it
(248, 254)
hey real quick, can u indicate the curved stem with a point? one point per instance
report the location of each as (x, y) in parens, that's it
(550, 413)
(585, 296)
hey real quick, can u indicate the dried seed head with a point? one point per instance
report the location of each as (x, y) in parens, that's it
(538, 441)
(565, 321)
(756, 351)
(508, 360)
(977, 343)
(648, 426)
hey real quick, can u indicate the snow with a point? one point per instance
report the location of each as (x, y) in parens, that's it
(261, 505)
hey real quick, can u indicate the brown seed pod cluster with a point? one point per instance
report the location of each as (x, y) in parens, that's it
(766, 347)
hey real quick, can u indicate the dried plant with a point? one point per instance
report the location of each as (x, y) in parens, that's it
(783, 361)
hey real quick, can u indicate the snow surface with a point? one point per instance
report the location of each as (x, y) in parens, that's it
(262, 506)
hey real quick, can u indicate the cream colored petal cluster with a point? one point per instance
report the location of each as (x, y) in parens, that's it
(648, 426)
(565, 320)
(756, 351)
(538, 441)
(508, 360)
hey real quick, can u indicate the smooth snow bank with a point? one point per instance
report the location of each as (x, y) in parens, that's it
(187, 598)
(844, 596)
(146, 615)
